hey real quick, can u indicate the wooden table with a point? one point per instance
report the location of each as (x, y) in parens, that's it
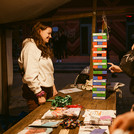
(83, 98)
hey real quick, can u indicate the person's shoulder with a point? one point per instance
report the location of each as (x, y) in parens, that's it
(28, 42)
(30, 46)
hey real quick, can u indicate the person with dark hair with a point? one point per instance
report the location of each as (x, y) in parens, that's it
(35, 61)
(126, 66)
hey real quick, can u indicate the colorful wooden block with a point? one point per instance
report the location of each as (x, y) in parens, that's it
(99, 63)
(99, 57)
(99, 86)
(99, 89)
(99, 95)
(100, 37)
(99, 83)
(104, 43)
(99, 43)
(99, 98)
(95, 37)
(100, 40)
(99, 92)
(101, 46)
(99, 34)
(94, 43)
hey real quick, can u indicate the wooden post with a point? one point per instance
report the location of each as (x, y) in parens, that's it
(5, 96)
(93, 31)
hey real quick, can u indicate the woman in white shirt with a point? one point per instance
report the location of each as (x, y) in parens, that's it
(35, 61)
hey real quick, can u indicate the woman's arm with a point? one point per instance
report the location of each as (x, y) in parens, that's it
(54, 90)
(31, 67)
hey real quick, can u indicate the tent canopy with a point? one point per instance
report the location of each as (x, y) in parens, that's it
(20, 10)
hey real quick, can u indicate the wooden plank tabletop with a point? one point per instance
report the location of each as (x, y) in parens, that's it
(83, 98)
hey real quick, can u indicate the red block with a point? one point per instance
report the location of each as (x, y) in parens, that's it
(104, 43)
(95, 61)
(94, 54)
(94, 49)
(94, 66)
(100, 61)
(104, 55)
(99, 77)
(94, 43)
(99, 37)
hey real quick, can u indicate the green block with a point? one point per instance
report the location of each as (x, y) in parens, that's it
(95, 72)
(104, 61)
(104, 66)
(99, 49)
(99, 72)
(101, 95)
(103, 83)
(94, 89)
(104, 37)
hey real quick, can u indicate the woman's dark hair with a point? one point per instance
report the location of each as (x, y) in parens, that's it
(46, 51)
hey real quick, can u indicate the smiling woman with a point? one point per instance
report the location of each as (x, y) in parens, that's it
(35, 61)
(46, 34)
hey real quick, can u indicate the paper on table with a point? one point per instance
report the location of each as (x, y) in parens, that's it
(70, 90)
(45, 123)
(98, 113)
(102, 117)
(61, 112)
(92, 129)
(34, 130)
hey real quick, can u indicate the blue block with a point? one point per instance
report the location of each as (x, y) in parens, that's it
(95, 78)
(94, 95)
(104, 72)
(99, 43)
(99, 66)
(96, 83)
(95, 37)
(101, 89)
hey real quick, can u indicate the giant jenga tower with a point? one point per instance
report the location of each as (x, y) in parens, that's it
(99, 65)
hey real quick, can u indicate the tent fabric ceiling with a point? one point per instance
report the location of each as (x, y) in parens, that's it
(20, 10)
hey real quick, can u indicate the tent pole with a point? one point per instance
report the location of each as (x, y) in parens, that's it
(93, 31)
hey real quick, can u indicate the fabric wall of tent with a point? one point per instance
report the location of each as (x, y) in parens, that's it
(14, 10)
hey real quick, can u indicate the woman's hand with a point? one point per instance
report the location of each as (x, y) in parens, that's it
(54, 91)
(132, 47)
(41, 97)
(114, 68)
(41, 100)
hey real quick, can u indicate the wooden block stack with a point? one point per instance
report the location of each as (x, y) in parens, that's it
(99, 65)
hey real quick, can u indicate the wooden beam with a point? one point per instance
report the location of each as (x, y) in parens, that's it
(117, 12)
(93, 31)
(5, 96)
(85, 15)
